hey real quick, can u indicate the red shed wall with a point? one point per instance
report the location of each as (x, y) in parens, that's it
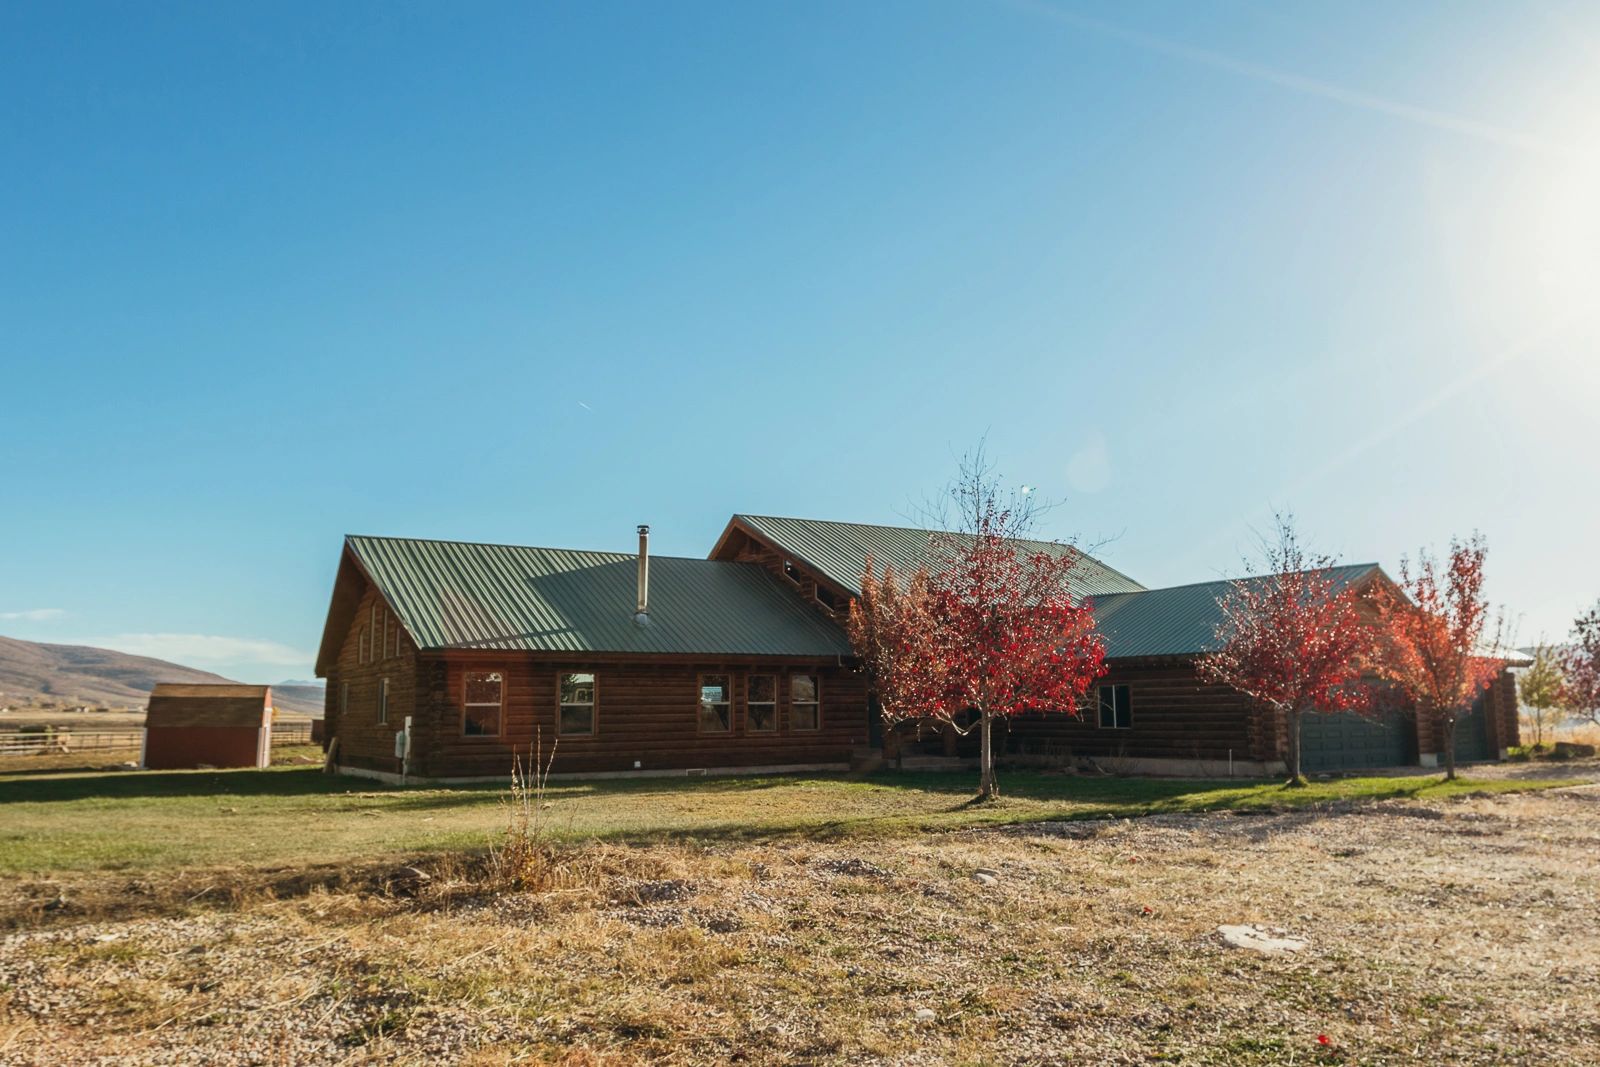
(170, 748)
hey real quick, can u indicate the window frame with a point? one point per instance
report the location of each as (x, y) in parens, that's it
(593, 705)
(815, 702)
(1127, 706)
(774, 703)
(383, 701)
(500, 712)
(700, 703)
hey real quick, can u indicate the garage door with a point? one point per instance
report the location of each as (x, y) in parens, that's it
(1348, 741)
(1472, 734)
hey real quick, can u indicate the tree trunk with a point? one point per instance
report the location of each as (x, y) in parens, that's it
(1449, 725)
(988, 789)
(1293, 717)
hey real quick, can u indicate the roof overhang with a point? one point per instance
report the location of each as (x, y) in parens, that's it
(349, 586)
(816, 573)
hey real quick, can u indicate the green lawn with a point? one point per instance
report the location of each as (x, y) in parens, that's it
(294, 815)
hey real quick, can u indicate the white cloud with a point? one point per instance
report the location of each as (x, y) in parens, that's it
(33, 614)
(198, 650)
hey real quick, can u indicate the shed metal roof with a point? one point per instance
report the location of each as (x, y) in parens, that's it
(839, 551)
(1182, 620)
(451, 594)
(175, 704)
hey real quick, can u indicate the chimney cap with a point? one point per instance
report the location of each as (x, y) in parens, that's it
(644, 527)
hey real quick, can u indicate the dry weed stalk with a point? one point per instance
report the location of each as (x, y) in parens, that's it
(526, 860)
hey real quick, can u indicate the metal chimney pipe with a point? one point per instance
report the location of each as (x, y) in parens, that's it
(644, 570)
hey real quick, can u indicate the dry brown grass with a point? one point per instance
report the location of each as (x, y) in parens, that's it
(1465, 931)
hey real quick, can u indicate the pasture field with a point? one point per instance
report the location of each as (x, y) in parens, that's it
(284, 916)
(293, 814)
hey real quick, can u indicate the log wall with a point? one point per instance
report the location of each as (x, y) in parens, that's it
(363, 740)
(646, 717)
(1174, 716)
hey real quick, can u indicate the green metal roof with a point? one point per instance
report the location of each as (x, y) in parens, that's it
(451, 594)
(839, 551)
(1180, 621)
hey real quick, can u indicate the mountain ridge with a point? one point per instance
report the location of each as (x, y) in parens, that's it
(34, 671)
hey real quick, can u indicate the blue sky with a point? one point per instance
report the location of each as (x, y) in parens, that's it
(537, 273)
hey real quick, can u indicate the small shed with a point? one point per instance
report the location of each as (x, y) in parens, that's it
(187, 726)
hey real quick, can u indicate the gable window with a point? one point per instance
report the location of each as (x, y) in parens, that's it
(576, 715)
(716, 704)
(344, 699)
(383, 700)
(482, 703)
(761, 710)
(805, 706)
(1116, 712)
(361, 645)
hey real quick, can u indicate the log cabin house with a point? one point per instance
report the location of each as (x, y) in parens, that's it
(446, 661)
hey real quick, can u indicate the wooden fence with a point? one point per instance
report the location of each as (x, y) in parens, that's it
(17, 743)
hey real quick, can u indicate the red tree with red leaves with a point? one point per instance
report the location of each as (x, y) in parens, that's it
(1293, 639)
(1438, 643)
(1580, 666)
(993, 631)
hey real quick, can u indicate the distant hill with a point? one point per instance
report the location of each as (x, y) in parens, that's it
(31, 672)
(299, 698)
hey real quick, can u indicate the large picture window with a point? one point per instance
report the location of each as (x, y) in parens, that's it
(761, 710)
(716, 704)
(1116, 713)
(483, 703)
(805, 703)
(575, 718)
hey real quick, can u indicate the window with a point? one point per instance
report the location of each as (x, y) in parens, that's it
(716, 704)
(383, 700)
(761, 709)
(344, 699)
(1115, 711)
(804, 708)
(391, 636)
(361, 646)
(576, 718)
(485, 693)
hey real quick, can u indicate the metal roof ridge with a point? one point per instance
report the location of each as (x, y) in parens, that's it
(1244, 578)
(539, 548)
(958, 533)
(886, 526)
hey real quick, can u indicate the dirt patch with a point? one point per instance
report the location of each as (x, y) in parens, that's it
(1464, 932)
